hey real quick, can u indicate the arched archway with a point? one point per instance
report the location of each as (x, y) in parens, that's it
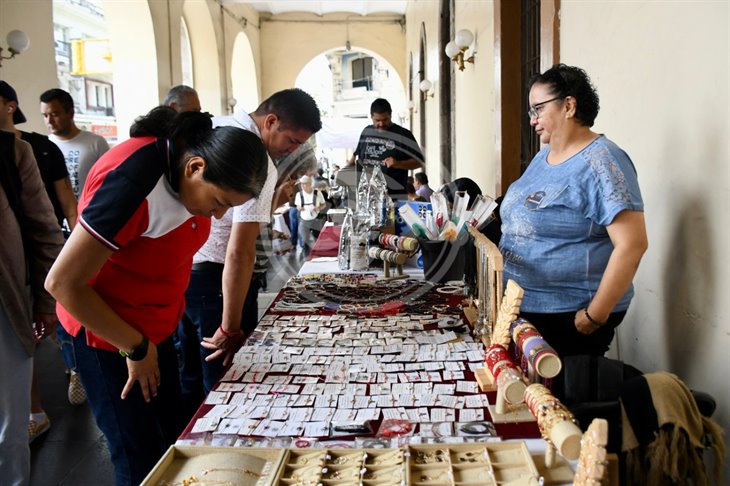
(206, 68)
(349, 98)
(282, 60)
(186, 55)
(344, 83)
(245, 87)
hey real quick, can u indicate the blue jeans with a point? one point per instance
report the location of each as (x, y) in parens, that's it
(294, 227)
(15, 378)
(203, 315)
(138, 433)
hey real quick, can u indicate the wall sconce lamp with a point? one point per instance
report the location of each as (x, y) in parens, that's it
(17, 42)
(231, 102)
(425, 88)
(457, 48)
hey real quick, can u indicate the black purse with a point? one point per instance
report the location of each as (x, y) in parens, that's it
(590, 386)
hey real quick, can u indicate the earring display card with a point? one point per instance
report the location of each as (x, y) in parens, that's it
(322, 374)
(514, 414)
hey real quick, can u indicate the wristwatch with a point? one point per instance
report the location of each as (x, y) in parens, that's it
(138, 353)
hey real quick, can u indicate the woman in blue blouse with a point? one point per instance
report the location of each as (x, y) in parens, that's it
(573, 224)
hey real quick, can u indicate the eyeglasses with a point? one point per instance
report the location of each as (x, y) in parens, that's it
(536, 109)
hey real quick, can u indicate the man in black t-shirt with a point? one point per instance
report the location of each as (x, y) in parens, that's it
(390, 146)
(49, 157)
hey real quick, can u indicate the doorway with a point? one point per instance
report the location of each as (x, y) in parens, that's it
(529, 28)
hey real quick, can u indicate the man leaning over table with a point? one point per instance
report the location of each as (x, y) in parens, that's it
(217, 292)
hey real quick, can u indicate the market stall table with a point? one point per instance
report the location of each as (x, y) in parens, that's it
(335, 355)
(345, 360)
(327, 242)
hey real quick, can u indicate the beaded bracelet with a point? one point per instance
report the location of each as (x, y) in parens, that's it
(592, 321)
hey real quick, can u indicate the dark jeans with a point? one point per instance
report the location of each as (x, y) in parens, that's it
(203, 315)
(560, 332)
(138, 433)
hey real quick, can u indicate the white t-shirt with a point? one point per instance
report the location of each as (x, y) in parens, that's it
(255, 210)
(306, 204)
(81, 153)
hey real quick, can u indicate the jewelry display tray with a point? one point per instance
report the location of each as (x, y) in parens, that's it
(470, 464)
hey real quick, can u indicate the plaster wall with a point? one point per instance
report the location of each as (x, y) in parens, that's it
(203, 22)
(244, 82)
(136, 82)
(424, 16)
(473, 104)
(166, 33)
(662, 70)
(474, 107)
(243, 55)
(33, 71)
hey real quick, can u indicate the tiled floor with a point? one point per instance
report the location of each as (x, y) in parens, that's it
(74, 452)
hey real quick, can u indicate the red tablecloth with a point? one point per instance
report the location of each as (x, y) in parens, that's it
(506, 430)
(327, 244)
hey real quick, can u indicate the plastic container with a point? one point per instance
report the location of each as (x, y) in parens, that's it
(443, 260)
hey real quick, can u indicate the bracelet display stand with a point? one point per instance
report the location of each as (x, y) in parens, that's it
(510, 381)
(506, 413)
(398, 269)
(593, 464)
(485, 380)
(512, 414)
(396, 250)
(559, 473)
(540, 356)
(490, 267)
(557, 424)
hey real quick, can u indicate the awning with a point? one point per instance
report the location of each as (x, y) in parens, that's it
(340, 132)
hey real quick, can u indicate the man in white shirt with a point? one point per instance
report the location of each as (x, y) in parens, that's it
(309, 203)
(284, 121)
(80, 148)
